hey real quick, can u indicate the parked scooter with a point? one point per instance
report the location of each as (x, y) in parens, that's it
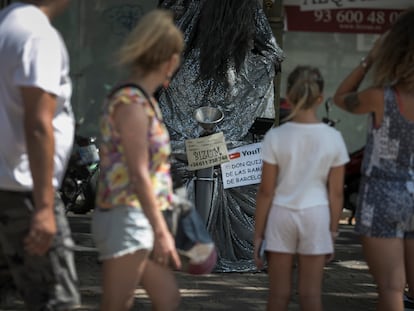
(79, 184)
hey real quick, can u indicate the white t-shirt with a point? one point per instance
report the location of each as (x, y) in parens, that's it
(304, 154)
(32, 53)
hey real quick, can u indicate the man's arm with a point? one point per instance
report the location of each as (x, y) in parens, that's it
(39, 107)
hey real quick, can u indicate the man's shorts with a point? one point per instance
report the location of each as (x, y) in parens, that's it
(45, 282)
(304, 231)
(121, 230)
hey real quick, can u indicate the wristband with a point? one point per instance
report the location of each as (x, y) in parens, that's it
(364, 63)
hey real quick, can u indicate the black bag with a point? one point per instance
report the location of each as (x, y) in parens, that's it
(192, 240)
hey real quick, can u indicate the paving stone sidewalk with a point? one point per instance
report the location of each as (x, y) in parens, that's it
(348, 286)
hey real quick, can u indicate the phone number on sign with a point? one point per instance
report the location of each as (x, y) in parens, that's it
(372, 17)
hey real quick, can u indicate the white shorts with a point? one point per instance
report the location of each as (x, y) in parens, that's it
(304, 232)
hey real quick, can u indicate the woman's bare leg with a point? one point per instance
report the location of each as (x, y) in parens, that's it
(161, 286)
(409, 265)
(280, 280)
(310, 282)
(385, 258)
(119, 279)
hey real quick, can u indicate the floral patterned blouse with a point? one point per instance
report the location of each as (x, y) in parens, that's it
(114, 188)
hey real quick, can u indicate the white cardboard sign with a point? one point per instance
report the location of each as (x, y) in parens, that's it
(244, 168)
(206, 151)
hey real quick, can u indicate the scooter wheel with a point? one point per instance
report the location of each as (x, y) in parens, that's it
(88, 201)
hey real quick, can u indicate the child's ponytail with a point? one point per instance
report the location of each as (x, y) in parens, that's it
(304, 85)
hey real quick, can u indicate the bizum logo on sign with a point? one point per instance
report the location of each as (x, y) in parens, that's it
(206, 151)
(244, 168)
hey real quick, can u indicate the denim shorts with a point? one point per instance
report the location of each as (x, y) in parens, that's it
(45, 282)
(120, 230)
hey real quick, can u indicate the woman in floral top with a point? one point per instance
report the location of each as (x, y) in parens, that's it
(135, 183)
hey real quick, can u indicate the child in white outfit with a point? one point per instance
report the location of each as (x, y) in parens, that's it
(299, 201)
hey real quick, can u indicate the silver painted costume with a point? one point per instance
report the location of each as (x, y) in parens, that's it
(247, 95)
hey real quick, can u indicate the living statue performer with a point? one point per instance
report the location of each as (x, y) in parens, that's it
(230, 62)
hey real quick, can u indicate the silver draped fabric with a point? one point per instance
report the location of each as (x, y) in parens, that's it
(248, 94)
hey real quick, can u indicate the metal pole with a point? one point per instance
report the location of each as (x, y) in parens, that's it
(274, 12)
(204, 186)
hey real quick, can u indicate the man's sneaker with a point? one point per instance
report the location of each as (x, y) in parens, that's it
(408, 302)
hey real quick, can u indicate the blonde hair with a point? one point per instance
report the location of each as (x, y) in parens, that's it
(153, 41)
(304, 86)
(394, 63)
